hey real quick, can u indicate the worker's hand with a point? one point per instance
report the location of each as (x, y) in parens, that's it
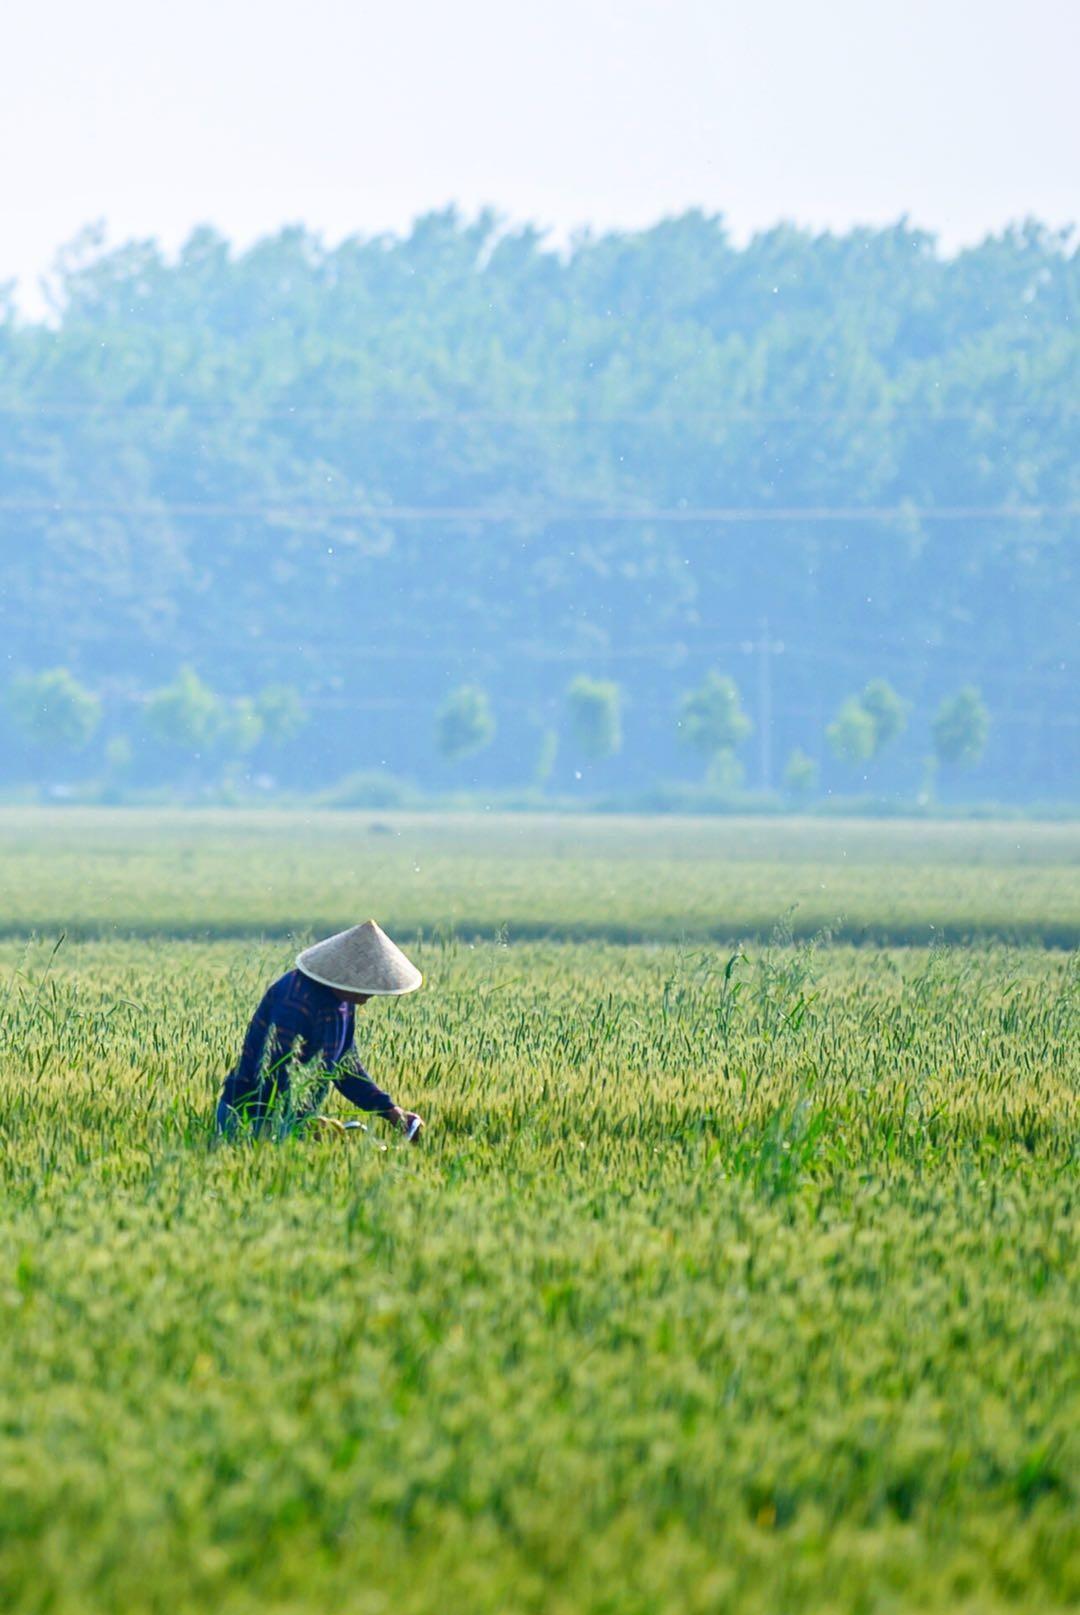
(406, 1121)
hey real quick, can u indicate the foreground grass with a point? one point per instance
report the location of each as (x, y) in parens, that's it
(200, 874)
(743, 1289)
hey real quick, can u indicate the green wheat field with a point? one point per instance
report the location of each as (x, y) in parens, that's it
(737, 1271)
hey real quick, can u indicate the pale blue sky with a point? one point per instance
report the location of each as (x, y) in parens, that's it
(350, 115)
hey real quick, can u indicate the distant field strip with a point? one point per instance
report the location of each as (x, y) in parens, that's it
(215, 873)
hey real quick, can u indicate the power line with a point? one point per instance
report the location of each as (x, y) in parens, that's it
(414, 515)
(686, 659)
(198, 409)
(684, 640)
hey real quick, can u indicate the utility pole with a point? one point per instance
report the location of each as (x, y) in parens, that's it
(764, 648)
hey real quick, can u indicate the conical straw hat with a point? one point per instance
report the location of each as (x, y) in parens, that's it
(360, 960)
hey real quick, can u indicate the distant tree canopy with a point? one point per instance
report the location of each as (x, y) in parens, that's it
(851, 735)
(960, 729)
(281, 714)
(711, 720)
(53, 710)
(800, 775)
(867, 723)
(886, 710)
(186, 714)
(379, 472)
(595, 716)
(464, 724)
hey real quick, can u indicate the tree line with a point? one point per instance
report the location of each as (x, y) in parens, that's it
(203, 736)
(461, 458)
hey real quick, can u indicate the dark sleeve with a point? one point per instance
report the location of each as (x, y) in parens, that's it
(245, 1079)
(352, 1080)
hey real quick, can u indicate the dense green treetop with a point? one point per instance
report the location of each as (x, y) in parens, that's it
(377, 471)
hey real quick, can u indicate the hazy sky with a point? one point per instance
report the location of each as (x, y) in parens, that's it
(350, 115)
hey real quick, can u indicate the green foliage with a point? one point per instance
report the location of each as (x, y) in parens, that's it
(282, 712)
(852, 735)
(960, 729)
(119, 755)
(724, 1280)
(240, 728)
(725, 773)
(467, 366)
(465, 723)
(887, 711)
(185, 715)
(370, 788)
(54, 710)
(867, 723)
(712, 722)
(595, 716)
(197, 873)
(546, 756)
(800, 775)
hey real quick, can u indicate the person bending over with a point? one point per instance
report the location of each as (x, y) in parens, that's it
(307, 1018)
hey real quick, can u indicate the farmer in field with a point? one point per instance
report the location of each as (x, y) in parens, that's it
(301, 1036)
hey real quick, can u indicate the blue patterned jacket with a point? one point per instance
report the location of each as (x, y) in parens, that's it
(299, 1021)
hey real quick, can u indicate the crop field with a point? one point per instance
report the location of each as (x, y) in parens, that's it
(738, 1269)
(130, 872)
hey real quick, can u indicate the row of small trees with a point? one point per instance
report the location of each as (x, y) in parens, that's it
(712, 722)
(465, 723)
(867, 724)
(57, 715)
